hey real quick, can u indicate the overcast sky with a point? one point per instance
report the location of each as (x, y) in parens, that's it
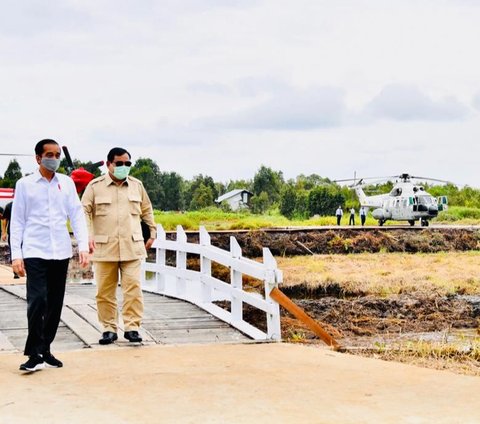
(220, 87)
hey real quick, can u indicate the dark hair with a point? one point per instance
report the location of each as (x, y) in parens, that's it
(41, 144)
(1, 210)
(117, 151)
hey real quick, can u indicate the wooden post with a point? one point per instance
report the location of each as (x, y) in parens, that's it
(236, 281)
(205, 267)
(272, 277)
(299, 313)
(181, 262)
(160, 259)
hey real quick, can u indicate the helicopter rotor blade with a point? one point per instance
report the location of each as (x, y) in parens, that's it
(431, 179)
(14, 154)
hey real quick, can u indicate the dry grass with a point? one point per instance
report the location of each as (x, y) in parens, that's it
(383, 274)
(462, 357)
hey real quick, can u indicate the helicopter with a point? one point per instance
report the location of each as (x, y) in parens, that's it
(407, 201)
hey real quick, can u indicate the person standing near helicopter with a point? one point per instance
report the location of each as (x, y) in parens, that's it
(363, 215)
(352, 217)
(339, 214)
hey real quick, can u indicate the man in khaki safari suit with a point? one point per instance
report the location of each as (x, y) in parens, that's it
(114, 205)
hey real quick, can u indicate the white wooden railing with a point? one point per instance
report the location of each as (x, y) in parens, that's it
(202, 289)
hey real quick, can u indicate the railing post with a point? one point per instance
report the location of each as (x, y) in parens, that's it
(160, 259)
(205, 267)
(236, 281)
(273, 276)
(181, 262)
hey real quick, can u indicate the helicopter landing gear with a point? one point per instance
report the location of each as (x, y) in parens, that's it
(424, 222)
(411, 222)
(381, 222)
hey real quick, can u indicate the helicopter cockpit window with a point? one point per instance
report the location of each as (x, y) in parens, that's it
(396, 191)
(424, 200)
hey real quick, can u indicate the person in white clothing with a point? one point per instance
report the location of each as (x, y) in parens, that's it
(41, 248)
(352, 217)
(363, 215)
(339, 214)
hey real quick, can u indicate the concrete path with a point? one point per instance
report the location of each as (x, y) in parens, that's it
(231, 383)
(265, 383)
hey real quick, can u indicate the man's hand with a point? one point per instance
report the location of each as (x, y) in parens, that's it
(91, 245)
(4, 236)
(149, 243)
(83, 259)
(18, 267)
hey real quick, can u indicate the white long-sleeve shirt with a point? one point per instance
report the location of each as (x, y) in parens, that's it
(41, 208)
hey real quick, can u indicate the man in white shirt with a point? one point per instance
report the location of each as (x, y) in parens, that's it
(363, 215)
(339, 214)
(352, 217)
(42, 248)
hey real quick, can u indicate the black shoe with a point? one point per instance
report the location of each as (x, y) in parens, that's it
(108, 337)
(133, 336)
(15, 276)
(34, 363)
(51, 361)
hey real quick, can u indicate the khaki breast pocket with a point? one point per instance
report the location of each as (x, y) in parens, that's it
(135, 204)
(102, 205)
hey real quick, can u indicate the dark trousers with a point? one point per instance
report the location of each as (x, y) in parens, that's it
(339, 218)
(45, 292)
(352, 220)
(363, 218)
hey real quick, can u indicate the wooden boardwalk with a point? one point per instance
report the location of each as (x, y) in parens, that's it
(166, 321)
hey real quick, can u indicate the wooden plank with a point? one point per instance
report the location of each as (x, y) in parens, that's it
(299, 313)
(17, 290)
(81, 328)
(5, 343)
(75, 299)
(89, 314)
(66, 340)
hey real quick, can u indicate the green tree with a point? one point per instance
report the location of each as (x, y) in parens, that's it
(147, 171)
(202, 197)
(301, 204)
(12, 174)
(172, 185)
(260, 203)
(192, 186)
(324, 200)
(288, 200)
(238, 184)
(307, 182)
(268, 181)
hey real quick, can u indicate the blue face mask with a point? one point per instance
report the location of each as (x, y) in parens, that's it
(51, 164)
(121, 172)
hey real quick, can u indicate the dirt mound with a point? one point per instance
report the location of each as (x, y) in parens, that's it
(321, 241)
(397, 314)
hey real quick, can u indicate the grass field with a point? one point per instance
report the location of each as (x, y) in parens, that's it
(215, 219)
(383, 274)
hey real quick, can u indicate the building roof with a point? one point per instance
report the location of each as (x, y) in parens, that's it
(231, 194)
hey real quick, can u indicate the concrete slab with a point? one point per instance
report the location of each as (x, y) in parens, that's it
(260, 383)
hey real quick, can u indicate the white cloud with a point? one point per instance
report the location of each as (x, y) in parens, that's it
(404, 102)
(305, 86)
(318, 107)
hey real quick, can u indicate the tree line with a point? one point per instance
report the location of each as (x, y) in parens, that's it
(301, 197)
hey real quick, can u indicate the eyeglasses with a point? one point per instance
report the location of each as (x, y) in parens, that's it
(121, 163)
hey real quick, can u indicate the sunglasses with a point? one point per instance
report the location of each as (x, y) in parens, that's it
(121, 163)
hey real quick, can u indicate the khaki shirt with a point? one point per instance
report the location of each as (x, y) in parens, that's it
(114, 213)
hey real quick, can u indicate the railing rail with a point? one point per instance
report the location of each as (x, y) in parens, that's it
(203, 289)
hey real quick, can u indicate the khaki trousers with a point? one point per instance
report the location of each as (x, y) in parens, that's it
(107, 277)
